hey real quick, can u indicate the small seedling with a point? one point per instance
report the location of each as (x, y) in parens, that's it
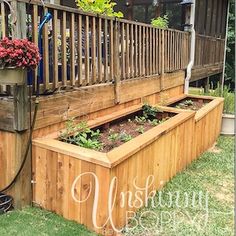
(124, 137)
(188, 102)
(140, 129)
(130, 121)
(154, 122)
(113, 137)
(140, 119)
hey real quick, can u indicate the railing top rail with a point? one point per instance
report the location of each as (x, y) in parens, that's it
(148, 25)
(209, 37)
(77, 11)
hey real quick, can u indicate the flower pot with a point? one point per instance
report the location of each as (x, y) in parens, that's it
(227, 127)
(13, 76)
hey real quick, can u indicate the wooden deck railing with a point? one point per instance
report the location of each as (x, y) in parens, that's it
(81, 49)
(208, 50)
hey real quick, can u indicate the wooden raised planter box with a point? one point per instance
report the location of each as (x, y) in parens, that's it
(161, 152)
(207, 120)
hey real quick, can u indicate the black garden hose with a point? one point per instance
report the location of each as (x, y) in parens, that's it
(6, 202)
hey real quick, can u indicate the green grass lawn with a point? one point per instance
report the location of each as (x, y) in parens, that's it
(212, 174)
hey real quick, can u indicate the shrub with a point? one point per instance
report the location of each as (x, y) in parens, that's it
(227, 95)
(161, 22)
(19, 53)
(101, 7)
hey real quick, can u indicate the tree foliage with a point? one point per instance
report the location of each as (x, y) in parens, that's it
(101, 7)
(230, 57)
(161, 22)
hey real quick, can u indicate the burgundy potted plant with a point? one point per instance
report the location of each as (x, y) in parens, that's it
(16, 57)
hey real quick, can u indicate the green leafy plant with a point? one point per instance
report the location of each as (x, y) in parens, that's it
(81, 135)
(140, 119)
(161, 22)
(229, 97)
(150, 111)
(188, 103)
(101, 7)
(124, 137)
(83, 140)
(113, 137)
(154, 122)
(140, 129)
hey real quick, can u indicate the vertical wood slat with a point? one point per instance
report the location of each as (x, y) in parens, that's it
(144, 51)
(79, 50)
(167, 51)
(72, 49)
(111, 49)
(35, 39)
(3, 31)
(160, 48)
(147, 52)
(105, 51)
(63, 48)
(168, 41)
(99, 35)
(154, 50)
(117, 63)
(3, 16)
(140, 71)
(150, 50)
(157, 50)
(55, 49)
(162, 52)
(93, 51)
(123, 74)
(127, 67)
(45, 56)
(131, 51)
(136, 50)
(87, 56)
(172, 52)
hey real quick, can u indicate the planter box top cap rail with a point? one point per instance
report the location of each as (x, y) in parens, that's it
(121, 153)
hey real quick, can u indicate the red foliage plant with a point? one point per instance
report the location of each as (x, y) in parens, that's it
(20, 53)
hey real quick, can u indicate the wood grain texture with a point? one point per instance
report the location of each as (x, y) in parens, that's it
(55, 167)
(12, 149)
(206, 132)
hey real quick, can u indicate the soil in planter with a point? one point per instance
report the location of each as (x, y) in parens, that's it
(114, 135)
(191, 104)
(111, 135)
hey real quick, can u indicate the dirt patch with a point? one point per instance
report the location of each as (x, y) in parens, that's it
(214, 149)
(223, 191)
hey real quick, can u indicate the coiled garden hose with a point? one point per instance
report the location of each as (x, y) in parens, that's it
(6, 202)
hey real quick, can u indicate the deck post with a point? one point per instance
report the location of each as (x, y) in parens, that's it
(206, 84)
(117, 63)
(20, 92)
(16, 141)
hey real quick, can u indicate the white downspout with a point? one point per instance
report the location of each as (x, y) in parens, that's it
(225, 48)
(192, 48)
